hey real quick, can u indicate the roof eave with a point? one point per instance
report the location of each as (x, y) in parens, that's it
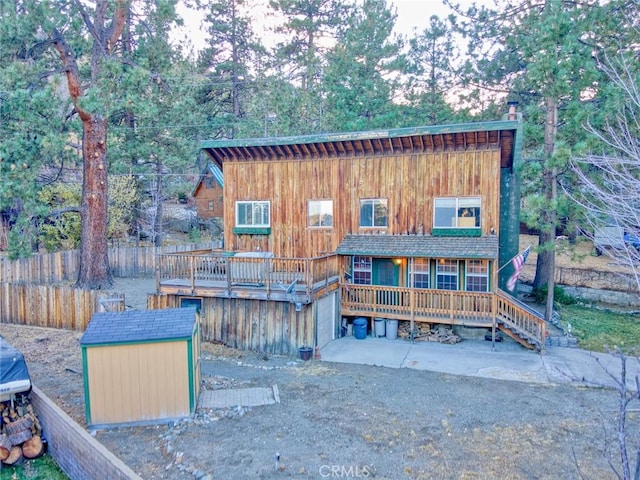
(363, 135)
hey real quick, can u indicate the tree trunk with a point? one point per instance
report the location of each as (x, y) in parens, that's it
(94, 262)
(545, 266)
(157, 219)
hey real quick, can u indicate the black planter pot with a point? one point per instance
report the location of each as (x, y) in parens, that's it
(305, 353)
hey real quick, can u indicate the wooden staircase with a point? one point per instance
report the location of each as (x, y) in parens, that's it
(520, 322)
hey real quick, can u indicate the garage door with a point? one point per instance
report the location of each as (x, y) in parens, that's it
(326, 319)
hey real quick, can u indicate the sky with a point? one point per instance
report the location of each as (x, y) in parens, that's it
(415, 13)
(411, 14)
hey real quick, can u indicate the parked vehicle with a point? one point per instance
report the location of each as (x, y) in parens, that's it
(631, 240)
(14, 376)
(614, 237)
(608, 237)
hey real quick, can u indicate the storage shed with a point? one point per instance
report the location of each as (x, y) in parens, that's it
(141, 366)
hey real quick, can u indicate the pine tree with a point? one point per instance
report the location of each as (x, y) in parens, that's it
(534, 52)
(432, 76)
(362, 79)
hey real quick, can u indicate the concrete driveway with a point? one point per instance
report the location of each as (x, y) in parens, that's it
(476, 358)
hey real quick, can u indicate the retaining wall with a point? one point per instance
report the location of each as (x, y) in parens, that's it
(604, 296)
(75, 451)
(609, 297)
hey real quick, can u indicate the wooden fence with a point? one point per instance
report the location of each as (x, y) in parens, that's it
(54, 306)
(29, 294)
(64, 266)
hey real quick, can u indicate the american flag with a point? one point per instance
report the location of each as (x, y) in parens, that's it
(518, 262)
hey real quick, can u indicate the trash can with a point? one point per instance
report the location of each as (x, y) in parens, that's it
(392, 329)
(360, 328)
(379, 327)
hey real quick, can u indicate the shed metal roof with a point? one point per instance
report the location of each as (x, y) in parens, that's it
(454, 137)
(133, 326)
(424, 246)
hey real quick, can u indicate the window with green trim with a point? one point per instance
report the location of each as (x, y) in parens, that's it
(455, 212)
(187, 302)
(253, 214)
(477, 276)
(447, 274)
(362, 270)
(420, 273)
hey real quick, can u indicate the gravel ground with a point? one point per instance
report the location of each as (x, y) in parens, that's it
(351, 421)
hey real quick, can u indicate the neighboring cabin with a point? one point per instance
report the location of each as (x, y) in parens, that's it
(409, 224)
(209, 193)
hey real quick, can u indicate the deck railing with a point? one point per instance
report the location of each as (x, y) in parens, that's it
(217, 266)
(407, 303)
(520, 318)
(404, 303)
(448, 306)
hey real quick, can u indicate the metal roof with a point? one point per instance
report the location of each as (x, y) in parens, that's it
(215, 171)
(424, 246)
(434, 138)
(134, 326)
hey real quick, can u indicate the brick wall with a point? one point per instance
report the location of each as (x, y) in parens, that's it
(76, 452)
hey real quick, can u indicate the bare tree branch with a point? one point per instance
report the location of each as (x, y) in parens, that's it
(608, 182)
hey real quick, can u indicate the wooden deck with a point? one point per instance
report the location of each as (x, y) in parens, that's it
(417, 304)
(214, 274)
(278, 292)
(452, 307)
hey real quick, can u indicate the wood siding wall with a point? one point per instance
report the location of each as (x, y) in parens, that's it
(203, 195)
(256, 325)
(408, 182)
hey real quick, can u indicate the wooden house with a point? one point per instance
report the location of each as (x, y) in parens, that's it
(415, 224)
(209, 193)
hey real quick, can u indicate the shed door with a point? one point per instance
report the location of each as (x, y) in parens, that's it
(326, 319)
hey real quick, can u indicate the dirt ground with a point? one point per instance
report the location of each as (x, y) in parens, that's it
(350, 421)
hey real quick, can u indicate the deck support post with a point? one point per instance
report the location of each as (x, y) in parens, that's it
(413, 312)
(494, 308)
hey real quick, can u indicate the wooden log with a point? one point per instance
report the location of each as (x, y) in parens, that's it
(19, 425)
(5, 446)
(33, 448)
(21, 436)
(15, 456)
